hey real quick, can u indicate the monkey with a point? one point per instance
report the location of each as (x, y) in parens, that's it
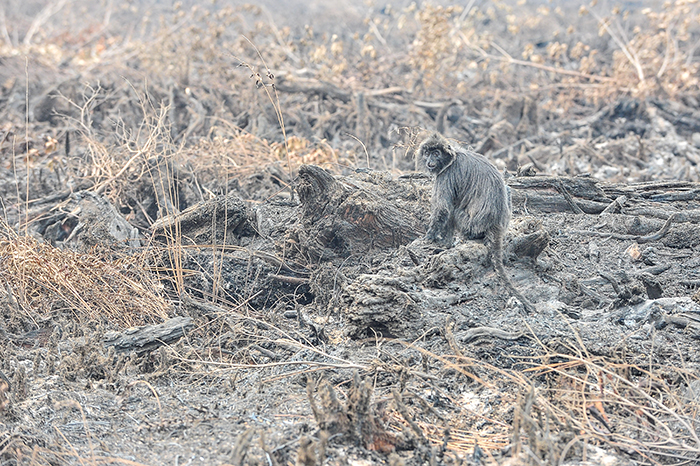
(469, 195)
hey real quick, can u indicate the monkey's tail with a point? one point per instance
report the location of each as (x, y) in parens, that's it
(497, 261)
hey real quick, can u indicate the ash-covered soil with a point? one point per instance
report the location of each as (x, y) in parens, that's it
(183, 282)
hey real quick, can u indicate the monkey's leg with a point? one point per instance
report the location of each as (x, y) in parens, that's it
(442, 227)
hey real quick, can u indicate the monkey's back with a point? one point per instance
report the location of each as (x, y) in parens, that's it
(480, 195)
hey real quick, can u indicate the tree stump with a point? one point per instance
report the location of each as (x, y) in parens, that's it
(352, 216)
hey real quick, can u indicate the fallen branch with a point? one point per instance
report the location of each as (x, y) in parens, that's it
(288, 279)
(507, 58)
(147, 338)
(639, 239)
(490, 332)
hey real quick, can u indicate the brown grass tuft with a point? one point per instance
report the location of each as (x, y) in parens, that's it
(44, 279)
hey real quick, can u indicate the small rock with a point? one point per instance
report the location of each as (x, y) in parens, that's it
(692, 394)
(634, 252)
(695, 138)
(649, 256)
(652, 285)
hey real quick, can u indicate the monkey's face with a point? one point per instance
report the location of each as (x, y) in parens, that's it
(435, 159)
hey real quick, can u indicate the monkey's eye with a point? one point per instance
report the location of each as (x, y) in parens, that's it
(436, 153)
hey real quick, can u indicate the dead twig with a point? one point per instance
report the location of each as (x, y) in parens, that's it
(288, 279)
(401, 408)
(490, 332)
(612, 281)
(507, 58)
(569, 200)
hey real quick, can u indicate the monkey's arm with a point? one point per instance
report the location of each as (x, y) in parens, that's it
(442, 226)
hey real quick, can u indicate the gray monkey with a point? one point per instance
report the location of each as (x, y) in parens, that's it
(469, 195)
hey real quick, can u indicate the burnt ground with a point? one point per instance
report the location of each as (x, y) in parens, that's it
(183, 282)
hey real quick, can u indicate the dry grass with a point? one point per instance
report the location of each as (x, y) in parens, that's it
(444, 48)
(548, 409)
(43, 280)
(563, 403)
(606, 404)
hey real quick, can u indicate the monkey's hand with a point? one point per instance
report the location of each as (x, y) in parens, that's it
(434, 235)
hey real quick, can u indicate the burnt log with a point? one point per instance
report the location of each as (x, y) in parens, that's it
(551, 194)
(548, 194)
(222, 220)
(144, 339)
(83, 221)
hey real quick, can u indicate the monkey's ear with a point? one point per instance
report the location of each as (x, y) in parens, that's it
(438, 138)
